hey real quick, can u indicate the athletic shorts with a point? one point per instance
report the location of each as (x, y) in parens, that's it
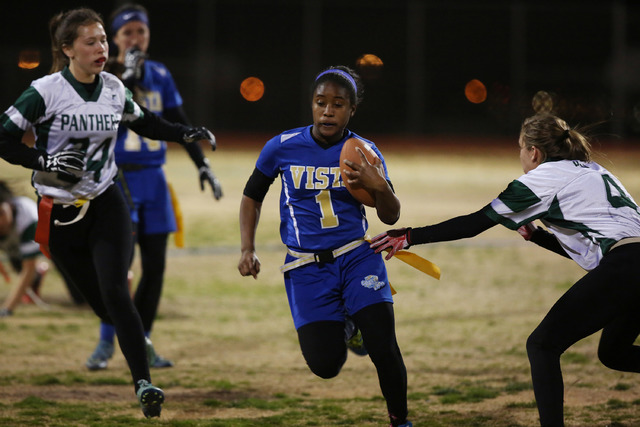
(329, 291)
(147, 193)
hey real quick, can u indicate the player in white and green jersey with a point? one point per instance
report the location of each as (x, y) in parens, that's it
(593, 220)
(18, 218)
(83, 219)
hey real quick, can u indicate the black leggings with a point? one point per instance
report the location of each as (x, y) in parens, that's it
(606, 298)
(324, 349)
(94, 254)
(153, 254)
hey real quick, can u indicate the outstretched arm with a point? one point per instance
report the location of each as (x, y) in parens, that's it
(205, 174)
(27, 276)
(453, 229)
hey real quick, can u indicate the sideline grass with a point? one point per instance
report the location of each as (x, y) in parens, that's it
(237, 358)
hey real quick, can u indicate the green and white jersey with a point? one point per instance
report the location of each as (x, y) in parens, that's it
(582, 204)
(65, 116)
(19, 243)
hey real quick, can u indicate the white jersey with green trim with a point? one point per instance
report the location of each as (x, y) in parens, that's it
(65, 116)
(19, 243)
(581, 203)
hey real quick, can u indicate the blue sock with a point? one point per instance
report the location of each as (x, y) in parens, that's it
(107, 332)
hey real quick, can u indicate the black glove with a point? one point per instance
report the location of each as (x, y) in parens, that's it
(65, 163)
(133, 59)
(206, 174)
(198, 134)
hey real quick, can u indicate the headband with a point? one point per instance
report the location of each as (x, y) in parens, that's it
(343, 74)
(127, 16)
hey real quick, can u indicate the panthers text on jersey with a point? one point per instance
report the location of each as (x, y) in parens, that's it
(65, 116)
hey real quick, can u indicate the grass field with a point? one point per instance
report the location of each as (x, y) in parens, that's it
(235, 348)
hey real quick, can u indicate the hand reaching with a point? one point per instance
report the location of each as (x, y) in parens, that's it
(392, 240)
(133, 59)
(198, 134)
(206, 175)
(527, 230)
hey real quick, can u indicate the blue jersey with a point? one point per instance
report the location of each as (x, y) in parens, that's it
(316, 210)
(158, 94)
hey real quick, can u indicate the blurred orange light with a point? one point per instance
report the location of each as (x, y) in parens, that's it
(29, 59)
(369, 60)
(370, 66)
(475, 91)
(252, 89)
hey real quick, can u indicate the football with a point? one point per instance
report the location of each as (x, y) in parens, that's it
(349, 152)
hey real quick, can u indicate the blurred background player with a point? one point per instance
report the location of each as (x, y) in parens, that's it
(335, 283)
(18, 221)
(593, 220)
(141, 176)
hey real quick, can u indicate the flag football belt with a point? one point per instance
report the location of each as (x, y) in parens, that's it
(45, 206)
(625, 241)
(304, 258)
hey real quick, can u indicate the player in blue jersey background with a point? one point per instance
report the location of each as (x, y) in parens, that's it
(142, 178)
(335, 283)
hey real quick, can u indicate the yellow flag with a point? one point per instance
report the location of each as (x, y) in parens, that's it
(416, 261)
(178, 236)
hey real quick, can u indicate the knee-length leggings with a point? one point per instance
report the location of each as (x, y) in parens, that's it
(607, 298)
(324, 349)
(94, 254)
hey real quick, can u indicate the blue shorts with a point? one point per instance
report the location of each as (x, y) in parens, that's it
(152, 210)
(328, 291)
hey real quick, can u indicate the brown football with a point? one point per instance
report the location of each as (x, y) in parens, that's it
(349, 152)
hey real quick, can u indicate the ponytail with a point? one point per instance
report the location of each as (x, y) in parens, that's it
(553, 137)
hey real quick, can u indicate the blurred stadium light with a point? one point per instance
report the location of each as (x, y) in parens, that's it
(583, 53)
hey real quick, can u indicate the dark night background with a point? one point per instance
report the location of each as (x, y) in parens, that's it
(585, 53)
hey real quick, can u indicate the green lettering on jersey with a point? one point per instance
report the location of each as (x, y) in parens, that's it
(73, 125)
(83, 122)
(619, 199)
(64, 120)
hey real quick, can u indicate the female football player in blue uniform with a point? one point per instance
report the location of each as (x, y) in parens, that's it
(142, 177)
(83, 219)
(593, 220)
(332, 278)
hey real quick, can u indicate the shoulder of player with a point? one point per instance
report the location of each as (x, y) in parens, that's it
(292, 136)
(113, 85)
(157, 68)
(111, 80)
(49, 83)
(558, 174)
